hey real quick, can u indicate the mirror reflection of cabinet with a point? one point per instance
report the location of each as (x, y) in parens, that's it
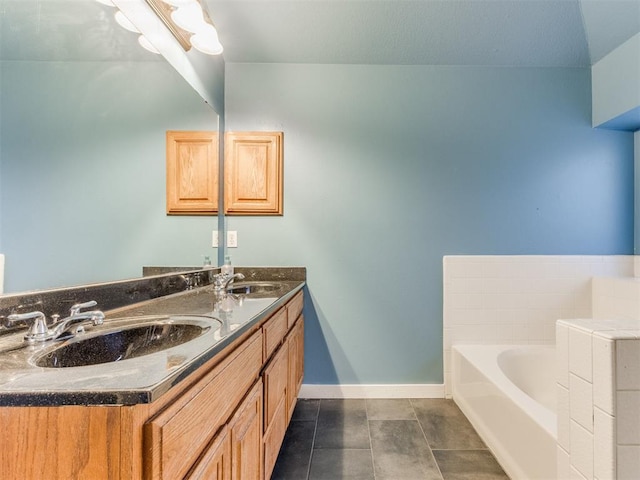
(253, 169)
(192, 173)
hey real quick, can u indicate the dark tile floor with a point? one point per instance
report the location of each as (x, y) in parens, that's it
(397, 439)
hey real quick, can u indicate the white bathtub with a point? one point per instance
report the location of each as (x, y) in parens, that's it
(508, 393)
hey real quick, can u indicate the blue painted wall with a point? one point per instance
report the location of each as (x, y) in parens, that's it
(82, 171)
(388, 168)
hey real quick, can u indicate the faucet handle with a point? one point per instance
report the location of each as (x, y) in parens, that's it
(37, 330)
(75, 309)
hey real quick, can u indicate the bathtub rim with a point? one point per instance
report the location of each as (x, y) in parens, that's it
(546, 418)
(513, 455)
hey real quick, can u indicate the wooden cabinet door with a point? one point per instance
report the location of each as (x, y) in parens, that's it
(246, 437)
(192, 173)
(295, 341)
(215, 463)
(275, 377)
(253, 171)
(176, 436)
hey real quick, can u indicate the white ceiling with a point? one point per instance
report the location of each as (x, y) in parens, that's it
(572, 33)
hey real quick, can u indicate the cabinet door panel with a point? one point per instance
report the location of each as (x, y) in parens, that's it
(215, 463)
(192, 173)
(295, 342)
(253, 173)
(274, 436)
(275, 379)
(246, 437)
(177, 436)
(60, 442)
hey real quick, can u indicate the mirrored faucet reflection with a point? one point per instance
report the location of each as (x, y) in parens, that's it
(222, 281)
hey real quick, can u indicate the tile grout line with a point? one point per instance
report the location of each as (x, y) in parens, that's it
(313, 441)
(426, 439)
(373, 464)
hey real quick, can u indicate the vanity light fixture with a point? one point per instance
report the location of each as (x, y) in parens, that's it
(189, 23)
(127, 24)
(187, 20)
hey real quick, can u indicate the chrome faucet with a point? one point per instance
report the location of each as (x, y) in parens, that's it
(221, 281)
(40, 332)
(96, 317)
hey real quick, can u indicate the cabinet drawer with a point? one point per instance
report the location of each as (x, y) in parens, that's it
(177, 436)
(273, 331)
(294, 309)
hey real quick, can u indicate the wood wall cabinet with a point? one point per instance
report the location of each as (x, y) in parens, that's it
(192, 173)
(225, 421)
(253, 166)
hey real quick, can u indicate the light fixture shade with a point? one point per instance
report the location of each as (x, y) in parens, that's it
(125, 23)
(188, 17)
(206, 40)
(147, 45)
(179, 3)
(108, 3)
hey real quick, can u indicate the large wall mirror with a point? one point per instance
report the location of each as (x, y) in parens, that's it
(83, 115)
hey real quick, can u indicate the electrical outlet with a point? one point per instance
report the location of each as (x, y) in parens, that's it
(214, 239)
(232, 238)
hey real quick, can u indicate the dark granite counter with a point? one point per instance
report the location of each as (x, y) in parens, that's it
(146, 378)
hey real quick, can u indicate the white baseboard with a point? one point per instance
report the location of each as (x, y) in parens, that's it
(372, 391)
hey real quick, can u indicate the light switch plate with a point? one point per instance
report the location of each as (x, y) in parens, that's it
(232, 238)
(214, 239)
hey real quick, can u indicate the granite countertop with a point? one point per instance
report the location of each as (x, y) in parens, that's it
(142, 379)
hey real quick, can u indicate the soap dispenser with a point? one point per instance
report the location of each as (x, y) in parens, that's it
(227, 268)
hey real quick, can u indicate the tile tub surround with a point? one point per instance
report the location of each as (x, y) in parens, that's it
(598, 385)
(383, 439)
(517, 299)
(617, 298)
(142, 379)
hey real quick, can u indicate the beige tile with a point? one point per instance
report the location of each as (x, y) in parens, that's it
(562, 354)
(628, 417)
(604, 373)
(580, 354)
(581, 401)
(563, 464)
(628, 462)
(581, 450)
(576, 475)
(604, 444)
(628, 364)
(564, 417)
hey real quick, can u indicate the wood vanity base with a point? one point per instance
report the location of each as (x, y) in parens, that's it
(225, 421)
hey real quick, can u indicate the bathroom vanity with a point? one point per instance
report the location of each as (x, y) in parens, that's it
(217, 413)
